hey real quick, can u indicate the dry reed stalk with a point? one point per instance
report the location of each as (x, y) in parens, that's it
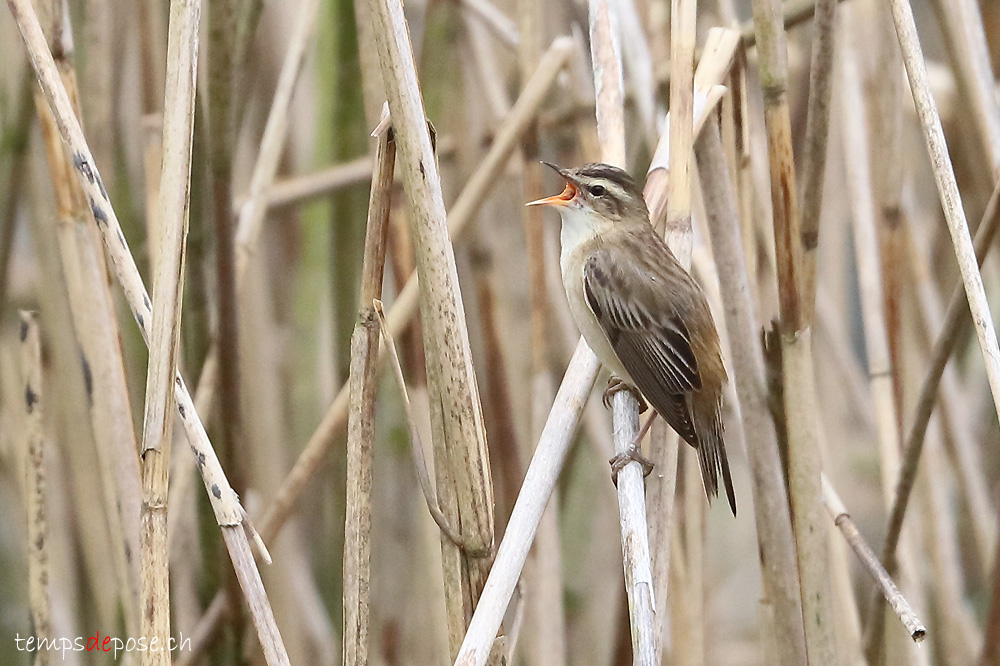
(943, 347)
(842, 519)
(638, 63)
(405, 305)
(95, 321)
(224, 502)
(461, 461)
(801, 412)
(817, 131)
(504, 28)
(856, 150)
(964, 36)
(951, 201)
(539, 480)
(683, 30)
(252, 211)
(361, 418)
(959, 636)
(164, 338)
(545, 612)
(609, 85)
(774, 528)
(35, 483)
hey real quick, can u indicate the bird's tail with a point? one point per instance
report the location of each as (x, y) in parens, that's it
(712, 454)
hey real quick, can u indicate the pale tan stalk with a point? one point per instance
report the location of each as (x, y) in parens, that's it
(545, 612)
(405, 305)
(464, 486)
(504, 28)
(856, 150)
(774, 528)
(539, 480)
(796, 341)
(224, 502)
(842, 519)
(817, 130)
(95, 322)
(951, 201)
(961, 26)
(638, 63)
(252, 211)
(168, 286)
(35, 482)
(607, 64)
(361, 417)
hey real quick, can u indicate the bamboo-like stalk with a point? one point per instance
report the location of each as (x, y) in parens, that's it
(361, 418)
(228, 512)
(804, 463)
(609, 84)
(774, 528)
(251, 213)
(35, 482)
(545, 612)
(405, 305)
(856, 150)
(965, 40)
(951, 200)
(95, 322)
(462, 464)
(842, 519)
(817, 130)
(943, 347)
(168, 285)
(538, 483)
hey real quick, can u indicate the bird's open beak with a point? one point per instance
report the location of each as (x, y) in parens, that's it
(561, 199)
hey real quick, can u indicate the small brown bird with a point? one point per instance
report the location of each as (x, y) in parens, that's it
(643, 315)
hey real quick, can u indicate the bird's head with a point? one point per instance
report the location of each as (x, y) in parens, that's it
(598, 198)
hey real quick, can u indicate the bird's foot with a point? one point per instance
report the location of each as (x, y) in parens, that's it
(615, 385)
(633, 454)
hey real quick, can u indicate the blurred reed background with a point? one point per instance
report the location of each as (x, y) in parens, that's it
(294, 216)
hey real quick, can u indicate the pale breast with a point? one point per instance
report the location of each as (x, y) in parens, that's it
(572, 264)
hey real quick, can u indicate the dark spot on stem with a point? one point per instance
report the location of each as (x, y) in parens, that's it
(98, 212)
(142, 322)
(24, 331)
(199, 457)
(216, 491)
(421, 165)
(81, 164)
(88, 378)
(145, 301)
(180, 408)
(30, 398)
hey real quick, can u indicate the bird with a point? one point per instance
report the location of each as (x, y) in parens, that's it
(641, 312)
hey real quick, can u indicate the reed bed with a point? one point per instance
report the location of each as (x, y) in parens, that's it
(321, 190)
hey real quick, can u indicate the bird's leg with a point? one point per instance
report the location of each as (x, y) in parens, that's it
(615, 385)
(634, 452)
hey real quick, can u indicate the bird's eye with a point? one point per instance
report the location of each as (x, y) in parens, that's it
(597, 190)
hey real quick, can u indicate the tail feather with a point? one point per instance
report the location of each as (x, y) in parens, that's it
(712, 458)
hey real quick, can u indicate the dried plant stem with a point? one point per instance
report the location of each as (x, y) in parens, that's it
(965, 39)
(539, 480)
(838, 512)
(252, 211)
(168, 285)
(951, 201)
(225, 504)
(94, 319)
(804, 463)
(817, 130)
(464, 486)
(405, 305)
(361, 417)
(35, 482)
(943, 347)
(608, 82)
(683, 30)
(774, 527)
